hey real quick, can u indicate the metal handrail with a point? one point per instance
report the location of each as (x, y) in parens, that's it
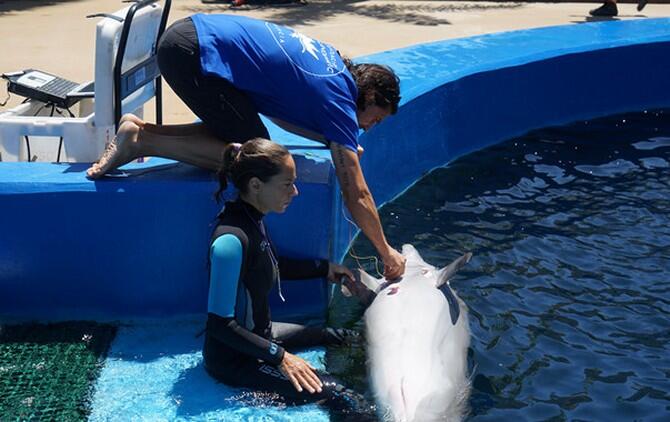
(159, 85)
(120, 53)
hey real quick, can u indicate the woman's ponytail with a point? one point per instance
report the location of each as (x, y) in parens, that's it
(230, 154)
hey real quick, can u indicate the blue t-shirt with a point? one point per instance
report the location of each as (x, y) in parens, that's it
(287, 75)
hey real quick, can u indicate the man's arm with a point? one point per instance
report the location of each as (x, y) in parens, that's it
(361, 205)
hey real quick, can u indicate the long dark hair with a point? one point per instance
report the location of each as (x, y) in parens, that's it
(378, 79)
(257, 157)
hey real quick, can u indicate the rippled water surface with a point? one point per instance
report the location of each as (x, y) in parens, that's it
(569, 289)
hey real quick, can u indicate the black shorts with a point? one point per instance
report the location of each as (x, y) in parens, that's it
(227, 112)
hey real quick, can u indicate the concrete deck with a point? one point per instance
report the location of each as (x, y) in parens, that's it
(55, 36)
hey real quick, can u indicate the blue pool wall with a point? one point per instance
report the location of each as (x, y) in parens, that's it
(127, 247)
(132, 247)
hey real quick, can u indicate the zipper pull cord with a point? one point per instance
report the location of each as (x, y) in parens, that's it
(281, 296)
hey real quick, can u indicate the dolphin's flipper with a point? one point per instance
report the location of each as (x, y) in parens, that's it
(450, 270)
(445, 275)
(454, 309)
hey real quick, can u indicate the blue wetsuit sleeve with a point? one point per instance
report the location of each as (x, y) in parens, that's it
(226, 266)
(297, 269)
(225, 256)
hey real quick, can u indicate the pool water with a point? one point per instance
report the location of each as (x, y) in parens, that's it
(569, 287)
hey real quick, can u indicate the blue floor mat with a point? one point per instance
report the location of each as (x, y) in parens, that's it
(154, 371)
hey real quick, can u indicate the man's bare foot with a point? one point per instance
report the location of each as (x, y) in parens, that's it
(120, 151)
(129, 117)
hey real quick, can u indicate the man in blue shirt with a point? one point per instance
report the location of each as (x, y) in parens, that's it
(227, 69)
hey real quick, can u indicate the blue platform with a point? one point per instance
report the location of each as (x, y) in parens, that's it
(137, 246)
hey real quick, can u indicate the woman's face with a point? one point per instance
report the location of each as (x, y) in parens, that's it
(276, 194)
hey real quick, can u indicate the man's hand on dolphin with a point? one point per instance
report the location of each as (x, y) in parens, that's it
(300, 373)
(336, 273)
(394, 265)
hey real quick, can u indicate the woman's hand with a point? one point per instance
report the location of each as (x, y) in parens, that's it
(336, 272)
(300, 373)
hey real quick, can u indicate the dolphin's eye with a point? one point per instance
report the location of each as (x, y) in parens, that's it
(425, 272)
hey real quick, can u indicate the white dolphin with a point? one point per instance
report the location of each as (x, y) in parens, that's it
(418, 337)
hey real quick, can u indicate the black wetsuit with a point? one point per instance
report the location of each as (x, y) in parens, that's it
(245, 349)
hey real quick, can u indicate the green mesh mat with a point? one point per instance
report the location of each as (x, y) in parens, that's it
(47, 370)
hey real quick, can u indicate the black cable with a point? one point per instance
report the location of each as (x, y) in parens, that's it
(61, 113)
(27, 146)
(60, 146)
(26, 136)
(40, 109)
(60, 143)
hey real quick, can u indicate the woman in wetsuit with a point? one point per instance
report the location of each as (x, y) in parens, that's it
(243, 347)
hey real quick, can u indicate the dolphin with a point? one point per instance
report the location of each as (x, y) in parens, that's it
(418, 337)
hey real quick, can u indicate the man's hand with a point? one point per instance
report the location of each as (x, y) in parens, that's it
(336, 272)
(394, 264)
(300, 373)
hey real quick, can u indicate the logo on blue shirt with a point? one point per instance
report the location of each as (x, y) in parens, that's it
(309, 55)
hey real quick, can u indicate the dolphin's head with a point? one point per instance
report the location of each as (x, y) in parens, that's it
(416, 269)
